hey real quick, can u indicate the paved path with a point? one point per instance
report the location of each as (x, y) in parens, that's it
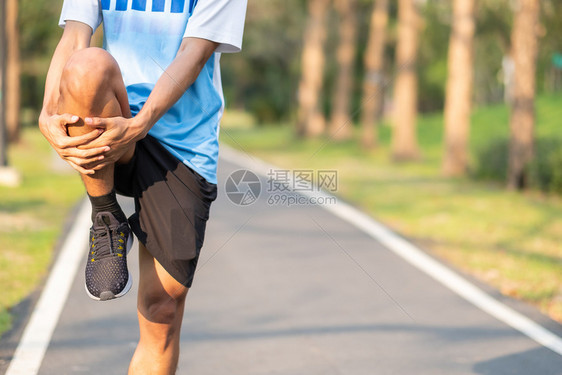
(298, 291)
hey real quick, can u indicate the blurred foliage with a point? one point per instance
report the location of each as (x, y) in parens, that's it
(264, 78)
(39, 35)
(550, 43)
(545, 171)
(492, 42)
(491, 160)
(39, 32)
(490, 140)
(432, 55)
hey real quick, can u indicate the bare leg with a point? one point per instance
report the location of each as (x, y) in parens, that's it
(91, 85)
(160, 309)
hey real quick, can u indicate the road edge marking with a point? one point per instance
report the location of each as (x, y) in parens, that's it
(413, 255)
(37, 335)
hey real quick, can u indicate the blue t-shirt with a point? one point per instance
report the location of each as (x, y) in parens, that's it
(144, 37)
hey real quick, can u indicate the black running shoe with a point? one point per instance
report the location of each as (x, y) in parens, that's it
(107, 275)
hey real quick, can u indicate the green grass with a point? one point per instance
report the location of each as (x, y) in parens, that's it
(31, 219)
(510, 240)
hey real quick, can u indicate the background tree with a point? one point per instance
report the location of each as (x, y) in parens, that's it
(311, 121)
(373, 82)
(459, 88)
(12, 71)
(3, 143)
(341, 122)
(404, 138)
(524, 46)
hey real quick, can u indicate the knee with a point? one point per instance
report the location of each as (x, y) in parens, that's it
(162, 308)
(87, 71)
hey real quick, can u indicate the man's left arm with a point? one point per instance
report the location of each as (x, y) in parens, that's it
(180, 75)
(176, 79)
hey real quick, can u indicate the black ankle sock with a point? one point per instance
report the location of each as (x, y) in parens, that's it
(107, 203)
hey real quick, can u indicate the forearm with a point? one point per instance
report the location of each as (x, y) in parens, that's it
(178, 77)
(76, 36)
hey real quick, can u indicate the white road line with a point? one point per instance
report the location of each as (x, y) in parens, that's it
(414, 256)
(37, 335)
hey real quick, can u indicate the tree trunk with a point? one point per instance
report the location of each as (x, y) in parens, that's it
(373, 84)
(524, 45)
(341, 121)
(12, 71)
(404, 138)
(3, 143)
(459, 88)
(310, 120)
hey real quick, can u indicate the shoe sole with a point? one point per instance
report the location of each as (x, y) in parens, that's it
(107, 295)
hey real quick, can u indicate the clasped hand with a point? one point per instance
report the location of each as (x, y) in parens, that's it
(110, 139)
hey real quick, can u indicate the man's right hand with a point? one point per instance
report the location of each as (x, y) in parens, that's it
(74, 150)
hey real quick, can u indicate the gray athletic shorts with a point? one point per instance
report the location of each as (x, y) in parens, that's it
(172, 204)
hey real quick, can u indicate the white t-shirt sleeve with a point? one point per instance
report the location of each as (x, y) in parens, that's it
(85, 11)
(221, 21)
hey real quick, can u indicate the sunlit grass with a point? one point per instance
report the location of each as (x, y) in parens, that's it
(508, 239)
(31, 219)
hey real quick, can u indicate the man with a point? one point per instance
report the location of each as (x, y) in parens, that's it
(141, 117)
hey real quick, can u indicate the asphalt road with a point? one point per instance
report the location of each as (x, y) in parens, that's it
(297, 291)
